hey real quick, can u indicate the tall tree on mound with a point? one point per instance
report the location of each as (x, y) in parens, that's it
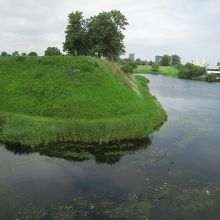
(76, 39)
(105, 31)
(100, 35)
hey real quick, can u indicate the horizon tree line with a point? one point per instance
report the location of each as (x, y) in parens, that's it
(172, 60)
(50, 51)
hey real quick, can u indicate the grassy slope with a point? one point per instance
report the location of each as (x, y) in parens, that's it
(81, 99)
(164, 70)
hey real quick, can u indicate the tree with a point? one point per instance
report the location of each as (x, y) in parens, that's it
(76, 39)
(190, 71)
(144, 62)
(23, 54)
(165, 60)
(128, 66)
(32, 54)
(4, 54)
(125, 61)
(15, 54)
(52, 51)
(138, 61)
(175, 60)
(151, 62)
(100, 35)
(105, 31)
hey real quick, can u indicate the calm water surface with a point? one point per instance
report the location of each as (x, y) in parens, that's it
(174, 175)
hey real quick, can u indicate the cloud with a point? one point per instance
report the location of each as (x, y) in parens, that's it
(186, 27)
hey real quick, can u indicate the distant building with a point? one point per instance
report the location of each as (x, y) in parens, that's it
(213, 69)
(218, 64)
(200, 62)
(158, 59)
(131, 56)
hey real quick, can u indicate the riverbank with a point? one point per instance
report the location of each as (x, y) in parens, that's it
(47, 100)
(175, 72)
(163, 70)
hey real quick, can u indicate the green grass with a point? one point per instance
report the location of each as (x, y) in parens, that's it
(164, 70)
(72, 99)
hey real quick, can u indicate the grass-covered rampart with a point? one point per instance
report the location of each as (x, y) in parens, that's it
(72, 99)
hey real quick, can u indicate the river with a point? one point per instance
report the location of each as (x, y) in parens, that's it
(173, 176)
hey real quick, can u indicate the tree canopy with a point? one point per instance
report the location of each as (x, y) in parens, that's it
(175, 60)
(99, 35)
(165, 60)
(138, 61)
(52, 51)
(76, 35)
(32, 54)
(190, 71)
(4, 54)
(15, 54)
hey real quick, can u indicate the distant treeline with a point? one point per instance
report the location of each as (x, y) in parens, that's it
(17, 54)
(50, 51)
(191, 71)
(172, 60)
(128, 65)
(171, 66)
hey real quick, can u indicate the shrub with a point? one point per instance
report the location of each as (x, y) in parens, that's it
(128, 66)
(156, 67)
(127, 69)
(214, 77)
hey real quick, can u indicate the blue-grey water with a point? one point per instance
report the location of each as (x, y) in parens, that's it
(175, 176)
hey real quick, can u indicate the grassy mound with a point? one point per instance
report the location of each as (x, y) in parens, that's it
(164, 70)
(72, 99)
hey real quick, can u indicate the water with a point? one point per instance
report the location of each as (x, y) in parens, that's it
(174, 175)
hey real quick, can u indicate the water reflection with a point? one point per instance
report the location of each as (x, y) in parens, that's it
(103, 154)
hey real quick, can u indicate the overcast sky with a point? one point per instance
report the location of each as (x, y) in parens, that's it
(190, 28)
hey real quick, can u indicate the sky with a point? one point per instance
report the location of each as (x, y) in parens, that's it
(189, 28)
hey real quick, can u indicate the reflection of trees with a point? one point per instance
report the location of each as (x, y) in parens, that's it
(109, 154)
